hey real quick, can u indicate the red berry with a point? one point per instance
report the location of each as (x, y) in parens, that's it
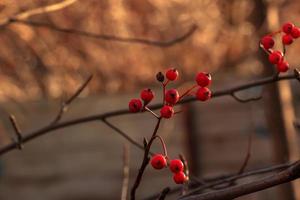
(267, 41)
(287, 39)
(172, 96)
(179, 178)
(287, 27)
(176, 166)
(158, 161)
(295, 32)
(203, 94)
(203, 79)
(283, 66)
(147, 95)
(167, 111)
(135, 105)
(275, 57)
(172, 74)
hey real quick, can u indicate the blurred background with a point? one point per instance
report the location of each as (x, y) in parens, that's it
(41, 63)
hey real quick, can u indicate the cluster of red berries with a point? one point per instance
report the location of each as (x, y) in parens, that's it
(176, 166)
(171, 96)
(289, 32)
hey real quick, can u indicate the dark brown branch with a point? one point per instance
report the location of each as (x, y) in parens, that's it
(248, 155)
(163, 44)
(125, 172)
(123, 134)
(219, 93)
(223, 179)
(65, 105)
(164, 193)
(18, 141)
(145, 161)
(284, 176)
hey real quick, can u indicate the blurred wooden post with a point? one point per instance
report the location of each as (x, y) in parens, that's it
(280, 113)
(191, 138)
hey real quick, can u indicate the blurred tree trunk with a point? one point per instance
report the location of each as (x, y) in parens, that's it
(279, 110)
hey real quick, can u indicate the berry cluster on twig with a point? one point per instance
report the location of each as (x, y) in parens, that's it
(289, 32)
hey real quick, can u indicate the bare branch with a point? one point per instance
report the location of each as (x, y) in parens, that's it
(125, 172)
(17, 130)
(164, 193)
(162, 44)
(223, 179)
(65, 104)
(284, 176)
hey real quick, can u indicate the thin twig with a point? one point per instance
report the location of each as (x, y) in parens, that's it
(162, 44)
(164, 193)
(125, 182)
(123, 134)
(219, 93)
(17, 130)
(64, 106)
(248, 155)
(150, 111)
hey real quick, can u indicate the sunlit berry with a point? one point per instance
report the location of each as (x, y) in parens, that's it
(287, 39)
(275, 57)
(295, 32)
(135, 105)
(147, 95)
(172, 74)
(203, 79)
(172, 96)
(158, 161)
(267, 42)
(203, 94)
(282, 66)
(179, 178)
(167, 111)
(287, 27)
(176, 166)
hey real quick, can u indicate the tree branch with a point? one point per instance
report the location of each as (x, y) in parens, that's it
(284, 176)
(219, 93)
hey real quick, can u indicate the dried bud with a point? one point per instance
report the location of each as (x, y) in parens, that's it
(160, 77)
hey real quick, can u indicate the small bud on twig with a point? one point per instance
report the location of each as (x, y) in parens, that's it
(160, 77)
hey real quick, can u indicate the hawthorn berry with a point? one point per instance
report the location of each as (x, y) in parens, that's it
(267, 42)
(176, 166)
(147, 95)
(282, 66)
(172, 74)
(158, 161)
(135, 105)
(287, 39)
(172, 96)
(203, 94)
(288, 27)
(179, 178)
(275, 57)
(167, 112)
(295, 32)
(203, 79)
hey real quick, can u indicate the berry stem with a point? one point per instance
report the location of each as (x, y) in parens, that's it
(150, 111)
(164, 91)
(163, 145)
(187, 92)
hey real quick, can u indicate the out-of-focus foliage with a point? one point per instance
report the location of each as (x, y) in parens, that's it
(38, 62)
